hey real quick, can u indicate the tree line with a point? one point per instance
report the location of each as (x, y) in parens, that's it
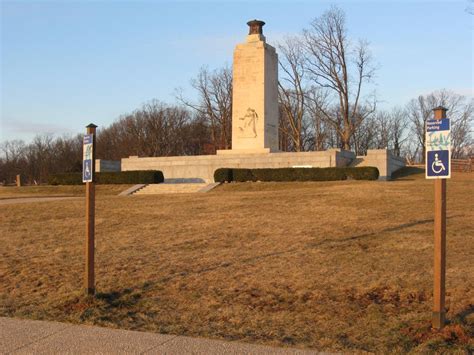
(325, 101)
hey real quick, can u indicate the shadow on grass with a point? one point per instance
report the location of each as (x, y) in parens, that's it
(128, 298)
(462, 318)
(407, 171)
(124, 298)
(373, 234)
(227, 264)
(456, 334)
(105, 306)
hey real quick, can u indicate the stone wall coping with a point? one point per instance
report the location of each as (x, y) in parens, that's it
(321, 154)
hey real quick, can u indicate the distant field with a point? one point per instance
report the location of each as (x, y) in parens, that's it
(334, 266)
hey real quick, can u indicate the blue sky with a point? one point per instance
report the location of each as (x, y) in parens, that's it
(65, 64)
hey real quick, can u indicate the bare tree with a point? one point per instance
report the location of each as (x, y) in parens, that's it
(156, 129)
(214, 104)
(390, 127)
(45, 155)
(162, 128)
(382, 125)
(371, 133)
(419, 111)
(317, 104)
(398, 130)
(284, 140)
(13, 150)
(40, 156)
(460, 110)
(12, 159)
(462, 142)
(382, 130)
(342, 69)
(67, 154)
(291, 92)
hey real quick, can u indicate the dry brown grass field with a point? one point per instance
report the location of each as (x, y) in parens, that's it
(7, 192)
(334, 266)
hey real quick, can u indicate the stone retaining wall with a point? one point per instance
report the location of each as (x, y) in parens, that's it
(203, 166)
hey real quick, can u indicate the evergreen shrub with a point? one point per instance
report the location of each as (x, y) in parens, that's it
(296, 174)
(104, 178)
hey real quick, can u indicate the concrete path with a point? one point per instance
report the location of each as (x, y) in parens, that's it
(12, 201)
(19, 336)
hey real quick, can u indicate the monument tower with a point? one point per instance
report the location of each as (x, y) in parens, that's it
(255, 94)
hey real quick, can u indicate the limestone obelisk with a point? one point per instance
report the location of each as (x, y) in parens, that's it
(255, 94)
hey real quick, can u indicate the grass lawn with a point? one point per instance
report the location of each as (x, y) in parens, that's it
(7, 192)
(335, 266)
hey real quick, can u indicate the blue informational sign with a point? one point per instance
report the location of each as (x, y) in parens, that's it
(437, 163)
(87, 161)
(88, 139)
(438, 149)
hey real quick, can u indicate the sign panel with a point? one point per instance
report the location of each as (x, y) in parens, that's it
(433, 125)
(438, 149)
(87, 162)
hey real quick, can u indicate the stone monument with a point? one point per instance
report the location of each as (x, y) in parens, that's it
(255, 127)
(255, 95)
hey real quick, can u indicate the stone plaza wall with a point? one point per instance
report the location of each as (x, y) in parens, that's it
(203, 166)
(382, 159)
(394, 163)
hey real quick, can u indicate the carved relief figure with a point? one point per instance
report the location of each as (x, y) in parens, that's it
(248, 124)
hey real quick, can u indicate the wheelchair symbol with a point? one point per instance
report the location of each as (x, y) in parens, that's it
(437, 165)
(87, 170)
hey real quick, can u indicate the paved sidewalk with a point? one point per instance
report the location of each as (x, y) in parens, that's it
(18, 336)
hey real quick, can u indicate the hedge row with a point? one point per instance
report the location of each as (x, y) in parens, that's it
(123, 177)
(296, 174)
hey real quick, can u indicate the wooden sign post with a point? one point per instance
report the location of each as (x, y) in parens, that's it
(88, 173)
(439, 168)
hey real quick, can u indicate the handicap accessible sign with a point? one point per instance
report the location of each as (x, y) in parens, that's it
(438, 164)
(438, 149)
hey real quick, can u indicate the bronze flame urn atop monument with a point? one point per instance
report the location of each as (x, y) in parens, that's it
(256, 27)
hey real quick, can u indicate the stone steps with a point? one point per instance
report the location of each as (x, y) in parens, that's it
(156, 189)
(359, 161)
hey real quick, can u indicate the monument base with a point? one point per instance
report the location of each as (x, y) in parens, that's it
(204, 166)
(243, 151)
